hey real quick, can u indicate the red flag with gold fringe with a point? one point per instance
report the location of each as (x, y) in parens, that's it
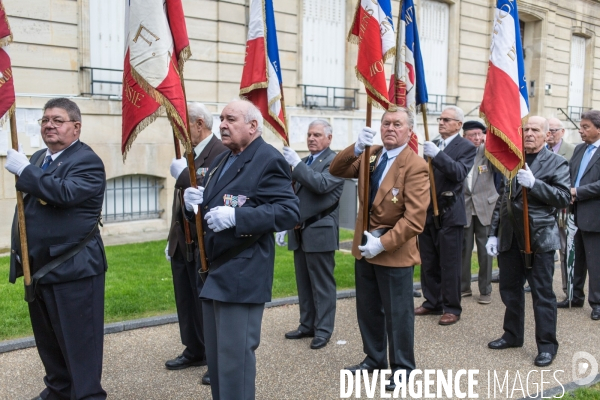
(7, 87)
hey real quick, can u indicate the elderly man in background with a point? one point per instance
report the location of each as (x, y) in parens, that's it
(246, 197)
(441, 242)
(186, 281)
(316, 238)
(556, 144)
(397, 203)
(546, 177)
(585, 197)
(480, 200)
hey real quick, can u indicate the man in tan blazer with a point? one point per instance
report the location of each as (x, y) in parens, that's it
(398, 201)
(480, 199)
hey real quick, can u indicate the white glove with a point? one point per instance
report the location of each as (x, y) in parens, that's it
(492, 246)
(192, 197)
(280, 238)
(220, 218)
(365, 138)
(372, 248)
(16, 162)
(430, 149)
(525, 177)
(177, 167)
(291, 156)
(167, 256)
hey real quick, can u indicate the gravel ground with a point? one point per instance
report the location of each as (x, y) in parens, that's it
(289, 369)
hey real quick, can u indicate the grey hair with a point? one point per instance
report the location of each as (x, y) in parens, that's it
(68, 105)
(458, 112)
(253, 114)
(410, 117)
(199, 111)
(593, 116)
(326, 126)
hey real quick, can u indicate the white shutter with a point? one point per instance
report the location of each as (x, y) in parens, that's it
(324, 44)
(107, 43)
(433, 33)
(577, 70)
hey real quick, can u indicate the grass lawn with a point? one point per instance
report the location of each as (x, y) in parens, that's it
(591, 393)
(139, 284)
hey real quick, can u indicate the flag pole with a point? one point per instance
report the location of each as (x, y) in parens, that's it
(527, 251)
(436, 211)
(365, 172)
(186, 225)
(21, 211)
(194, 184)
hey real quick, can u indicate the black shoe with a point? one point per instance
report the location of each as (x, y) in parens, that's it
(565, 304)
(496, 279)
(182, 362)
(596, 313)
(392, 386)
(206, 379)
(363, 366)
(416, 293)
(500, 344)
(298, 334)
(318, 342)
(544, 359)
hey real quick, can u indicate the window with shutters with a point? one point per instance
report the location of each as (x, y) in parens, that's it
(576, 77)
(107, 47)
(324, 42)
(132, 197)
(433, 34)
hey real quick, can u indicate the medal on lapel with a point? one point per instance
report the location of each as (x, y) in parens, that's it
(395, 192)
(230, 200)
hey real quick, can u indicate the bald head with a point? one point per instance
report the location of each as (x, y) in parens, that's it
(241, 123)
(556, 130)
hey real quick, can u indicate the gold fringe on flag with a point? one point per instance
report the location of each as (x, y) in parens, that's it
(497, 132)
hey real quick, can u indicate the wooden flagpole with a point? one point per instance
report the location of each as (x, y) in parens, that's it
(20, 209)
(365, 172)
(434, 200)
(186, 224)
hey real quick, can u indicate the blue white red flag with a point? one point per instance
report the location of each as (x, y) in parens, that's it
(261, 79)
(373, 30)
(407, 84)
(505, 104)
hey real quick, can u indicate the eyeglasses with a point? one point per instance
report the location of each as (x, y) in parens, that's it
(57, 122)
(446, 120)
(553, 131)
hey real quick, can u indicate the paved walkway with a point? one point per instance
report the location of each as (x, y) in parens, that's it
(289, 369)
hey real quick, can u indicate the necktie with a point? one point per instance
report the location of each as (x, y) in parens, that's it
(309, 160)
(376, 177)
(228, 163)
(46, 163)
(442, 145)
(584, 163)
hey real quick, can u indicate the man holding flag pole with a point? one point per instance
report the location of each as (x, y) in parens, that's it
(539, 190)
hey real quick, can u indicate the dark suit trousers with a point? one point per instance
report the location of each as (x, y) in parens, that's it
(480, 233)
(512, 278)
(232, 333)
(587, 259)
(385, 311)
(316, 291)
(68, 326)
(187, 285)
(441, 264)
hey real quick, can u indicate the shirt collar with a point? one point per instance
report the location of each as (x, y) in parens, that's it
(393, 153)
(58, 153)
(556, 147)
(449, 139)
(315, 156)
(200, 147)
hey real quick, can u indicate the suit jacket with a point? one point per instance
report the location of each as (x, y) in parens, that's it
(566, 150)
(262, 175)
(482, 196)
(61, 207)
(176, 234)
(549, 193)
(587, 202)
(317, 190)
(405, 217)
(450, 168)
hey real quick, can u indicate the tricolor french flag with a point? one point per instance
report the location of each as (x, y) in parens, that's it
(373, 30)
(505, 102)
(261, 79)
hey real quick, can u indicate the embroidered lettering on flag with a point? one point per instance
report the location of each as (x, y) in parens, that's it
(156, 48)
(5, 32)
(373, 30)
(407, 83)
(261, 78)
(505, 104)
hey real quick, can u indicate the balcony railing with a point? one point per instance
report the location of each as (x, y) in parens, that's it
(437, 102)
(329, 97)
(104, 82)
(576, 112)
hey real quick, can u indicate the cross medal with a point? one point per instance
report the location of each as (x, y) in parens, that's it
(394, 193)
